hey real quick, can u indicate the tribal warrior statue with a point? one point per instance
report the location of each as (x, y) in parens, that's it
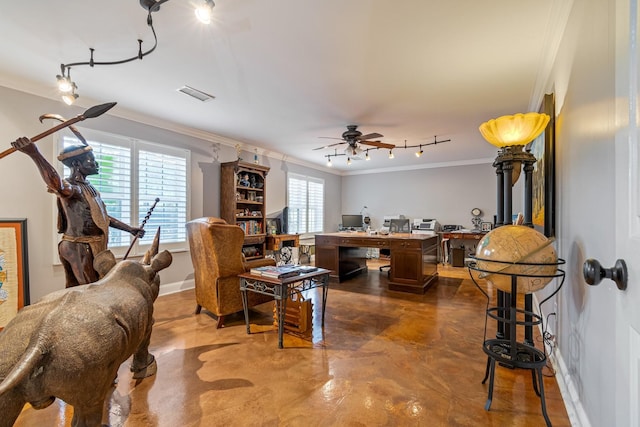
(82, 215)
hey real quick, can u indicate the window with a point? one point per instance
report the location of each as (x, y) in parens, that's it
(132, 175)
(305, 199)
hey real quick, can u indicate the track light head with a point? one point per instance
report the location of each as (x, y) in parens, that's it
(69, 98)
(205, 11)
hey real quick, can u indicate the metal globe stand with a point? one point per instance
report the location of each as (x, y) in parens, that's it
(509, 351)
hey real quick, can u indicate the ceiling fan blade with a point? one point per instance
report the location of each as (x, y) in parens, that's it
(330, 137)
(329, 146)
(379, 144)
(369, 136)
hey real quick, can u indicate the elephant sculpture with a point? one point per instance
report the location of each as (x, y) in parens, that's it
(70, 344)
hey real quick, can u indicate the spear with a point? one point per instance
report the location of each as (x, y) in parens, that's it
(144, 221)
(92, 112)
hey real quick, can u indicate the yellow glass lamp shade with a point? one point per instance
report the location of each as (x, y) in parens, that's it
(518, 129)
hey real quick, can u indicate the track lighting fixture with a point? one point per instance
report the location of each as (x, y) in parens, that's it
(67, 87)
(329, 156)
(353, 153)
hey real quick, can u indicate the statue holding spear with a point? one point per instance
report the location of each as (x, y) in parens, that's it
(83, 220)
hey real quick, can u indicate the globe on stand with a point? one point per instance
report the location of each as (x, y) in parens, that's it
(516, 250)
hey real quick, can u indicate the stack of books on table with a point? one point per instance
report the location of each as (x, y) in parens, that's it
(282, 271)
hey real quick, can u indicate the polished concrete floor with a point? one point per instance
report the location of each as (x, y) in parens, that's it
(383, 359)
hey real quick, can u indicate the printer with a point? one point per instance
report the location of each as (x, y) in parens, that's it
(387, 222)
(425, 226)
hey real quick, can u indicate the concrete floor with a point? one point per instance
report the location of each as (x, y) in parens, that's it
(383, 359)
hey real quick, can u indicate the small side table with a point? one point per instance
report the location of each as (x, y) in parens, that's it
(281, 289)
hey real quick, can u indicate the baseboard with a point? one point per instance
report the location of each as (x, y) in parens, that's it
(172, 288)
(575, 410)
(573, 405)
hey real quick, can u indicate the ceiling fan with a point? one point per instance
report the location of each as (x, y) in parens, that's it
(353, 137)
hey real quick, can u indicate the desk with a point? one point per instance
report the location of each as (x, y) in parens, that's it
(277, 241)
(414, 257)
(280, 245)
(281, 289)
(447, 237)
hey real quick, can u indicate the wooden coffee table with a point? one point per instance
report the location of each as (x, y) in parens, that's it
(281, 289)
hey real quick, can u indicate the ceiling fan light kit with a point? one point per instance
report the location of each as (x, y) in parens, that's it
(353, 137)
(67, 87)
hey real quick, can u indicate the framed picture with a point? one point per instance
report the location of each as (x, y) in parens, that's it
(543, 148)
(486, 226)
(14, 269)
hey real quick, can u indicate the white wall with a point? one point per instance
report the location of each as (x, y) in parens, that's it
(446, 193)
(583, 79)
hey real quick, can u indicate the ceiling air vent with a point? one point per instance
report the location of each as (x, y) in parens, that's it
(197, 94)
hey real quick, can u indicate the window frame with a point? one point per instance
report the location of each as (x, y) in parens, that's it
(135, 146)
(308, 179)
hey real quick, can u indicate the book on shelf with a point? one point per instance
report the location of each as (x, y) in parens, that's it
(282, 271)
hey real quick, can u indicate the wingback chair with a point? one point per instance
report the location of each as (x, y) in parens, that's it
(216, 254)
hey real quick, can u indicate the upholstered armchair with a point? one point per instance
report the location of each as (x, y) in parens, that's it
(216, 254)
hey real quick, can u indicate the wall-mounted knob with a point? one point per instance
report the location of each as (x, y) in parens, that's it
(593, 273)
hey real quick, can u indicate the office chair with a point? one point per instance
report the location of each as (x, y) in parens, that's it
(395, 226)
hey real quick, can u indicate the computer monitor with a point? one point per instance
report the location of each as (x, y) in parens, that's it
(400, 226)
(351, 221)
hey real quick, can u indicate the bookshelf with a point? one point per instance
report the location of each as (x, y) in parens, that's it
(243, 203)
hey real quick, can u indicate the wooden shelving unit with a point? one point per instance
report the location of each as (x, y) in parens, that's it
(242, 202)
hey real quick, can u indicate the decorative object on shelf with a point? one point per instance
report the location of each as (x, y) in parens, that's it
(255, 156)
(486, 226)
(67, 87)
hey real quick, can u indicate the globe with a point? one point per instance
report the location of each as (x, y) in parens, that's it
(505, 249)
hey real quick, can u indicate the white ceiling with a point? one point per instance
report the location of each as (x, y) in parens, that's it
(286, 72)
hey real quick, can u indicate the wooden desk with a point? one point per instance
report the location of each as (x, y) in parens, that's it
(463, 235)
(277, 241)
(414, 257)
(448, 238)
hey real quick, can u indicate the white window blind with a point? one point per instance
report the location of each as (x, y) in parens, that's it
(305, 200)
(132, 175)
